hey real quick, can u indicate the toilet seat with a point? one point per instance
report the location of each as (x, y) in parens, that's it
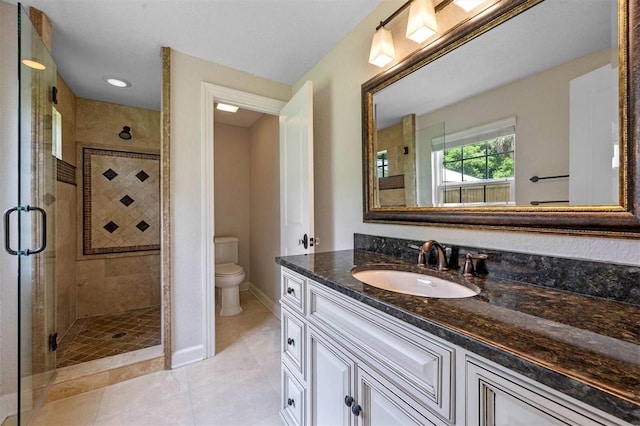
(228, 270)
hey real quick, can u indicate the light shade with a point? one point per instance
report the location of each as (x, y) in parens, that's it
(382, 50)
(422, 21)
(468, 5)
(116, 81)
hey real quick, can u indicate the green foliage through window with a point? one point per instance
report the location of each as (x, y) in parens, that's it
(490, 159)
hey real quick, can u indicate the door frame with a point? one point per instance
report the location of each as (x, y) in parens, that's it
(211, 93)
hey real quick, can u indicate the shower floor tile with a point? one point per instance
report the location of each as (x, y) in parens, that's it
(108, 335)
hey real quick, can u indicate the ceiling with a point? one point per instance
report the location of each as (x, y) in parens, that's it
(276, 39)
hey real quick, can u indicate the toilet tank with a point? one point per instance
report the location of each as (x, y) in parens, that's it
(226, 249)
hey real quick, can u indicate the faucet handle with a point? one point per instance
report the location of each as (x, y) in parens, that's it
(421, 260)
(468, 269)
(471, 270)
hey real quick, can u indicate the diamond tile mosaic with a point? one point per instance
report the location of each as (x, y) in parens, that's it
(103, 336)
(110, 174)
(129, 197)
(111, 227)
(142, 175)
(126, 200)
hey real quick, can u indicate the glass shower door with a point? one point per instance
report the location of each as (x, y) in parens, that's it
(35, 214)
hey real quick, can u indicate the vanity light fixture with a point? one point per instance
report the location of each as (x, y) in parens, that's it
(468, 5)
(226, 107)
(422, 21)
(382, 50)
(125, 133)
(32, 63)
(116, 81)
(421, 25)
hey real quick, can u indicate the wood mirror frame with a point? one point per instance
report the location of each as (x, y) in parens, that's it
(621, 221)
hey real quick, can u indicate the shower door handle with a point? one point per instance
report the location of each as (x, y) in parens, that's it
(43, 230)
(7, 230)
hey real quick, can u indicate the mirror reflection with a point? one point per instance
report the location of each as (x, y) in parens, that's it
(525, 114)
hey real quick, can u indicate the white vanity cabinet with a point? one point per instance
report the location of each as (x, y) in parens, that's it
(345, 363)
(343, 391)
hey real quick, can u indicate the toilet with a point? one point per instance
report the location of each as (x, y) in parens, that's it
(229, 275)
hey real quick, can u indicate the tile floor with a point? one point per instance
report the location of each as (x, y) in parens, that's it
(239, 386)
(99, 337)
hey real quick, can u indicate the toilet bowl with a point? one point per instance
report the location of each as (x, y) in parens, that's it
(229, 276)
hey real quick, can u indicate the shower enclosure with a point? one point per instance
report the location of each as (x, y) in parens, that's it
(28, 184)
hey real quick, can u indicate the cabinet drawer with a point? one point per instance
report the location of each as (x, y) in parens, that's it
(292, 406)
(406, 355)
(293, 341)
(293, 290)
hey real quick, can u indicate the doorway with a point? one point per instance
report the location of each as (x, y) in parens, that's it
(211, 95)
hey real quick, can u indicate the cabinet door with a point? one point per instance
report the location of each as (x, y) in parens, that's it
(498, 398)
(331, 377)
(380, 403)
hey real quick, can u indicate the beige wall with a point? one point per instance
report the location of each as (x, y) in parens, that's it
(231, 187)
(265, 206)
(338, 181)
(115, 283)
(187, 75)
(541, 150)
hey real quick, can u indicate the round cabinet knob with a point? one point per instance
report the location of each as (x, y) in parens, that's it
(348, 401)
(356, 409)
(290, 290)
(290, 402)
(290, 341)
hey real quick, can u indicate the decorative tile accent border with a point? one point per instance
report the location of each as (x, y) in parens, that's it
(65, 172)
(121, 201)
(607, 280)
(391, 182)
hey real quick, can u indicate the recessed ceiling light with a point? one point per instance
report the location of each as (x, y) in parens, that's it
(32, 63)
(226, 107)
(116, 81)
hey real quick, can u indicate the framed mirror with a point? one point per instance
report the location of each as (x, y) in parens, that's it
(523, 117)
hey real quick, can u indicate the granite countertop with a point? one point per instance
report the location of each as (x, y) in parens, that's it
(585, 347)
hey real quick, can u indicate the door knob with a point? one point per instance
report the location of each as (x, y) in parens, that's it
(304, 241)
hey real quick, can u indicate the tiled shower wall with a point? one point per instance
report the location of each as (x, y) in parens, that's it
(66, 288)
(90, 286)
(110, 284)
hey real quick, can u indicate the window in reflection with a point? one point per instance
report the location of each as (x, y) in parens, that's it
(479, 172)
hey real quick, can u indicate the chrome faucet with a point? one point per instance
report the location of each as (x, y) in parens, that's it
(424, 253)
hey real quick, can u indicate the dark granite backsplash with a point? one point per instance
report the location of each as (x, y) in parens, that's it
(610, 281)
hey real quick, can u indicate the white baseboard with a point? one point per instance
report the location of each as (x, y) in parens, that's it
(270, 304)
(8, 406)
(187, 356)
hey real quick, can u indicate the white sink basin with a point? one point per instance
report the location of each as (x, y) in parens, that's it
(413, 283)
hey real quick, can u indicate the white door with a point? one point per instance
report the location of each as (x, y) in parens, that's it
(296, 173)
(593, 138)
